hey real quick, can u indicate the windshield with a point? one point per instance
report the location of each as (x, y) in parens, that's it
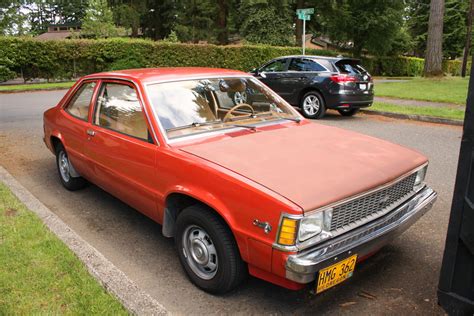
(203, 105)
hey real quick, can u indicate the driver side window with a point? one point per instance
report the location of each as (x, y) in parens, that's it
(275, 66)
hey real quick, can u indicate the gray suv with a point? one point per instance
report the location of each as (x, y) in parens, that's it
(316, 83)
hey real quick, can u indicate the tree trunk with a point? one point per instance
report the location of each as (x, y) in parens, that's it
(299, 24)
(467, 47)
(222, 35)
(434, 45)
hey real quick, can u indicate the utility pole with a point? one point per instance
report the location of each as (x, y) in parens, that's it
(467, 47)
(303, 39)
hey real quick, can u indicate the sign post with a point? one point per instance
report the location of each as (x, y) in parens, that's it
(305, 15)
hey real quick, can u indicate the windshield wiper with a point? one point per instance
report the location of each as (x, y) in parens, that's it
(194, 124)
(253, 128)
(294, 119)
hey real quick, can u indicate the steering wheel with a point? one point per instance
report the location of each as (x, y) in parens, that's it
(238, 106)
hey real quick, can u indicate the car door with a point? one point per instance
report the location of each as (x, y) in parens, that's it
(74, 121)
(121, 148)
(303, 73)
(274, 75)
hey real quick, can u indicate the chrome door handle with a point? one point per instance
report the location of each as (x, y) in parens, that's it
(90, 132)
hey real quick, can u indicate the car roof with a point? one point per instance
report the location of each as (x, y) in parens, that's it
(331, 58)
(147, 75)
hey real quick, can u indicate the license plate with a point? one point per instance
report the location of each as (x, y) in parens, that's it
(362, 86)
(335, 274)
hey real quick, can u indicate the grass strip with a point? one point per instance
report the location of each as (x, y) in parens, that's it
(36, 86)
(449, 90)
(443, 112)
(39, 274)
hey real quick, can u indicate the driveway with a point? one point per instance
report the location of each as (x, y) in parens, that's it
(402, 278)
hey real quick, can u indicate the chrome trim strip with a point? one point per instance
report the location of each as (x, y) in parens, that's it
(303, 267)
(317, 239)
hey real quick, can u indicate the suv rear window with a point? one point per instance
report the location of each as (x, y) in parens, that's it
(350, 67)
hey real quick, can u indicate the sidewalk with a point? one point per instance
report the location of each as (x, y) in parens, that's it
(408, 102)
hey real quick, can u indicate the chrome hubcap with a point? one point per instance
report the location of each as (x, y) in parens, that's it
(64, 166)
(200, 252)
(311, 105)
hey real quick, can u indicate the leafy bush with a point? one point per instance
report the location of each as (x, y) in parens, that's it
(76, 57)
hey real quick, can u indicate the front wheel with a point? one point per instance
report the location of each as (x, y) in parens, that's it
(348, 112)
(207, 250)
(312, 105)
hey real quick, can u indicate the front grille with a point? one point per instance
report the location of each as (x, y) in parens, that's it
(373, 205)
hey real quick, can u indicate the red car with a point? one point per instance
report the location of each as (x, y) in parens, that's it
(242, 182)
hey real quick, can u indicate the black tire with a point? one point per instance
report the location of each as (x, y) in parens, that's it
(69, 182)
(230, 270)
(348, 112)
(312, 105)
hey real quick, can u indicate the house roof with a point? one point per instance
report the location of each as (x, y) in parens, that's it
(53, 36)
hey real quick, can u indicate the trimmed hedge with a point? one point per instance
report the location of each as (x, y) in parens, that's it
(66, 59)
(71, 58)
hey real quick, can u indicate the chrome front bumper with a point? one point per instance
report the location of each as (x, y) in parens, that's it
(303, 266)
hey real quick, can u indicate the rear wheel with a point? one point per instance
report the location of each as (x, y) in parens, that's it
(207, 250)
(312, 105)
(348, 112)
(64, 169)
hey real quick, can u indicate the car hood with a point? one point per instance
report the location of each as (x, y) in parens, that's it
(311, 164)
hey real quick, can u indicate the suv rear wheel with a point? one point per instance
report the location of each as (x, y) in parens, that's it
(312, 105)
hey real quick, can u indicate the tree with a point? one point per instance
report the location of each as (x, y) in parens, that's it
(12, 19)
(434, 46)
(223, 12)
(196, 21)
(267, 22)
(99, 22)
(370, 26)
(467, 46)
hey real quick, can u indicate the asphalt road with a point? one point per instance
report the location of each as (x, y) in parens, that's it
(402, 277)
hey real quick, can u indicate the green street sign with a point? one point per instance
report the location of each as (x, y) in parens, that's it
(306, 11)
(303, 16)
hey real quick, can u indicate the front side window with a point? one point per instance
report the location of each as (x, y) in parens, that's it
(204, 105)
(300, 64)
(80, 102)
(275, 66)
(119, 109)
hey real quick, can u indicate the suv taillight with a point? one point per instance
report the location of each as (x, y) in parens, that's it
(343, 78)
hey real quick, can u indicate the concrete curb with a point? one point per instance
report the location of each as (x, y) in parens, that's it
(115, 281)
(415, 117)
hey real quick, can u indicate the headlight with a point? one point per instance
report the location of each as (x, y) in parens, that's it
(313, 225)
(420, 178)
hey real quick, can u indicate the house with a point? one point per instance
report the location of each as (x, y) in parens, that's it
(59, 31)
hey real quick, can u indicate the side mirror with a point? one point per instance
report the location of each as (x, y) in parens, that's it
(254, 71)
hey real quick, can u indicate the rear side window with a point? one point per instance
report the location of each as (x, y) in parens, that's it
(350, 67)
(277, 65)
(300, 64)
(119, 109)
(80, 102)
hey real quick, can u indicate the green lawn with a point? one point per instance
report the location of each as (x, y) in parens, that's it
(36, 86)
(443, 112)
(451, 89)
(39, 274)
